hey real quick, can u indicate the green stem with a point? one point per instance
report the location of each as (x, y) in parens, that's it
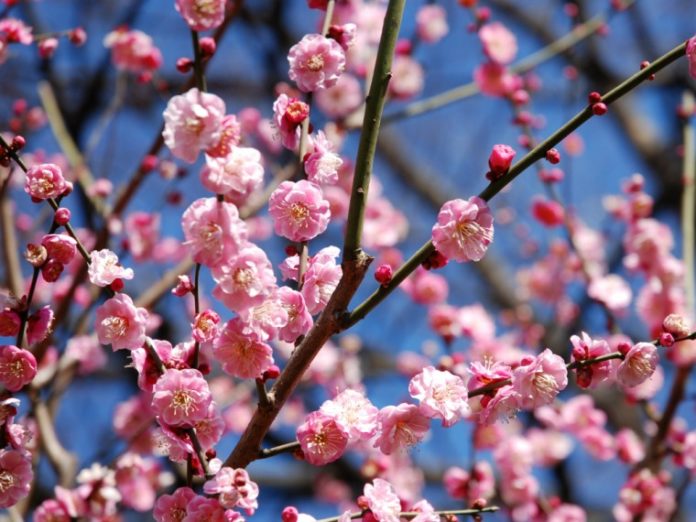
(370, 128)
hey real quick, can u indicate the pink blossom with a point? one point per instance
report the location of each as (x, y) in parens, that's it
(494, 79)
(230, 136)
(383, 500)
(444, 320)
(205, 326)
(691, 55)
(480, 483)
(584, 347)
(51, 510)
(538, 380)
(241, 353)
(234, 489)
(399, 427)
(597, 442)
(638, 364)
(629, 447)
(354, 412)
(59, 247)
(442, 395)
(142, 231)
(611, 290)
(384, 225)
(39, 325)
(202, 509)
(172, 508)
(15, 476)
(192, 122)
(137, 479)
(299, 319)
(316, 62)
(288, 115)
(548, 212)
(120, 324)
(264, 321)
(133, 51)
(500, 159)
(407, 77)
(13, 30)
(426, 287)
(499, 44)
(342, 99)
(213, 231)
(9, 323)
(464, 229)
(104, 268)
(201, 15)
(236, 175)
(322, 164)
(45, 181)
(322, 438)
(17, 367)
(299, 210)
(87, 352)
(431, 23)
(321, 279)
(181, 397)
(245, 280)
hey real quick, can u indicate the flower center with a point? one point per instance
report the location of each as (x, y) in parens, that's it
(299, 212)
(204, 7)
(466, 230)
(210, 233)
(243, 277)
(7, 480)
(546, 386)
(315, 63)
(115, 326)
(182, 401)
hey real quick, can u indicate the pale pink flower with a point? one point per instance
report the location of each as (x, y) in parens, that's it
(567, 513)
(39, 325)
(288, 115)
(172, 508)
(494, 79)
(45, 181)
(638, 364)
(181, 397)
(133, 51)
(205, 326)
(407, 77)
(87, 352)
(444, 320)
(612, 290)
(213, 231)
(400, 427)
(299, 210)
(104, 268)
(354, 412)
(201, 15)
(192, 122)
(384, 225)
(299, 319)
(234, 489)
(322, 164)
(585, 347)
(426, 512)
(15, 477)
(245, 280)
(59, 247)
(264, 321)
(549, 446)
(51, 510)
(120, 323)
(442, 395)
(383, 500)
(431, 23)
(342, 99)
(597, 442)
(17, 368)
(241, 353)
(321, 279)
(316, 62)
(322, 438)
(142, 230)
(461, 484)
(538, 380)
(210, 429)
(464, 229)
(499, 44)
(137, 479)
(691, 55)
(426, 287)
(236, 175)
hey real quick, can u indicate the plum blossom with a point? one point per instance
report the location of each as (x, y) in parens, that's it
(342, 99)
(442, 395)
(235, 489)
(45, 181)
(202, 15)
(288, 115)
(499, 44)
(611, 290)
(322, 164)
(172, 508)
(322, 438)
(17, 367)
(192, 122)
(431, 23)
(39, 325)
(399, 427)
(407, 77)
(299, 210)
(299, 319)
(236, 175)
(265, 320)
(538, 380)
(205, 326)
(59, 247)
(213, 231)
(15, 477)
(142, 230)
(638, 365)
(464, 229)
(181, 397)
(316, 62)
(321, 279)
(354, 412)
(494, 79)
(120, 323)
(104, 268)
(133, 51)
(242, 353)
(584, 347)
(245, 280)
(383, 500)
